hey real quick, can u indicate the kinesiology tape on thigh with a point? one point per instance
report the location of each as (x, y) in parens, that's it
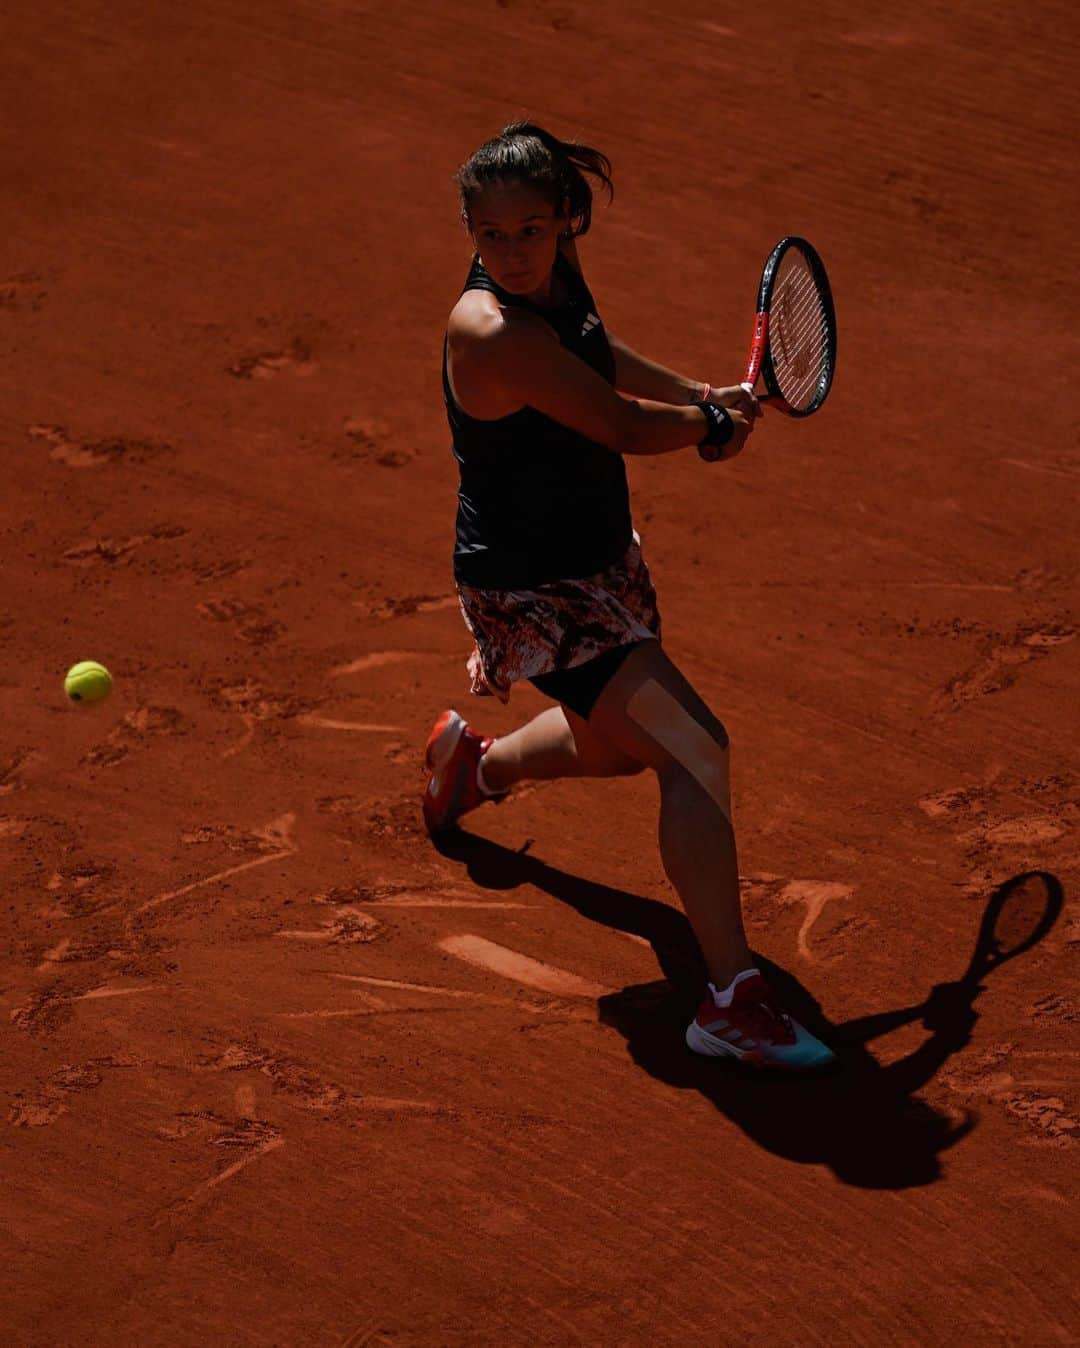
(666, 721)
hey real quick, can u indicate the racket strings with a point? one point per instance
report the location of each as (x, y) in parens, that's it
(802, 333)
(799, 342)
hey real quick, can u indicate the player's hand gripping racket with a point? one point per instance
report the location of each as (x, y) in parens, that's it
(793, 348)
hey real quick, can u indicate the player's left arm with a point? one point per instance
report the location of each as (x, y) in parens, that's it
(639, 377)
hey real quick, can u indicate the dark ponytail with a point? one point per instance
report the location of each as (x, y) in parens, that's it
(524, 152)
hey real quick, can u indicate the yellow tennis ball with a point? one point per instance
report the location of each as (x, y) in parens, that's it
(87, 682)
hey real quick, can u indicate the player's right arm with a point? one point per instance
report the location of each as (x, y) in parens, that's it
(504, 359)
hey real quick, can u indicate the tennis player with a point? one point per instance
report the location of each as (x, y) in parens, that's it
(552, 582)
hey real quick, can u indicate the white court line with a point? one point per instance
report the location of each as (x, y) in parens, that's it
(531, 973)
(405, 987)
(198, 1196)
(95, 994)
(374, 661)
(325, 723)
(477, 998)
(211, 879)
(279, 829)
(237, 1166)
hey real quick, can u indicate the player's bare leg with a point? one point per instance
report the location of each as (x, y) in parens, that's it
(468, 769)
(649, 711)
(697, 848)
(556, 743)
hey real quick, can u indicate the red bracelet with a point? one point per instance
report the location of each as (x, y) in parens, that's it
(704, 395)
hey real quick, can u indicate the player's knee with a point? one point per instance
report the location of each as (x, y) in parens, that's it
(694, 740)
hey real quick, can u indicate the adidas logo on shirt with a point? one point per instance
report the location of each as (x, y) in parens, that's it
(591, 322)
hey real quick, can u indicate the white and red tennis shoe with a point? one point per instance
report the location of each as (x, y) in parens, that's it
(746, 1022)
(453, 755)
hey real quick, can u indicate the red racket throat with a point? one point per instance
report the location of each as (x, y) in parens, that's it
(757, 348)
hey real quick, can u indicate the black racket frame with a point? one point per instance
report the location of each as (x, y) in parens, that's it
(764, 302)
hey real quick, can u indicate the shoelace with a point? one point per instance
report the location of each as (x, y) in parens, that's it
(766, 1014)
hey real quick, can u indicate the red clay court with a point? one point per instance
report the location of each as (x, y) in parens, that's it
(274, 1069)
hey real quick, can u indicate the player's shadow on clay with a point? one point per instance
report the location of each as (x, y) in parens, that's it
(862, 1119)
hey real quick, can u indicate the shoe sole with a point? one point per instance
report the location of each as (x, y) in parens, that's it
(443, 741)
(441, 747)
(709, 1046)
(701, 1041)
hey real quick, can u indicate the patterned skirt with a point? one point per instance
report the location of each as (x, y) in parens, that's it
(558, 625)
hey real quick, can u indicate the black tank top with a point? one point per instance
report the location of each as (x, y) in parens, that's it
(537, 501)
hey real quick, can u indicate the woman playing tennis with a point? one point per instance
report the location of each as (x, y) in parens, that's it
(548, 568)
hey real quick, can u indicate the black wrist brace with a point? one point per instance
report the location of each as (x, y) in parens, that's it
(718, 431)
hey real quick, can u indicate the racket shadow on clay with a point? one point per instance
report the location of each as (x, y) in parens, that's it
(863, 1120)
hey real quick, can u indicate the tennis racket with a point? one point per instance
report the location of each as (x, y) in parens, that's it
(793, 347)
